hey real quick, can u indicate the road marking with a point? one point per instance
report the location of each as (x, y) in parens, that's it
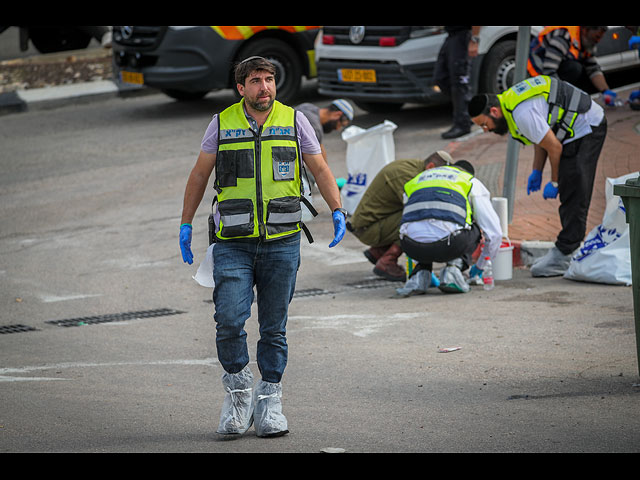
(6, 373)
(359, 325)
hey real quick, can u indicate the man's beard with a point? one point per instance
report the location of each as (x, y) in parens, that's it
(261, 106)
(501, 126)
(330, 126)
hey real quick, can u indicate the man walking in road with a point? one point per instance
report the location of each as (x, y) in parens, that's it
(257, 147)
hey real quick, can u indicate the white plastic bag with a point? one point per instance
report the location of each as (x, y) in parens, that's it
(204, 275)
(605, 256)
(367, 152)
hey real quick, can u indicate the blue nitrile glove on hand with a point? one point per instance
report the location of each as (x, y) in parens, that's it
(634, 42)
(185, 243)
(550, 191)
(609, 98)
(474, 271)
(534, 182)
(339, 227)
(634, 95)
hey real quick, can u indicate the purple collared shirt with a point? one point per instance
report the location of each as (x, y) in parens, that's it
(306, 136)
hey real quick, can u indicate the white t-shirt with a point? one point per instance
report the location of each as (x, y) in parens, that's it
(531, 118)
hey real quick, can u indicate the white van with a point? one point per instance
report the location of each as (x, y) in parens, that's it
(383, 67)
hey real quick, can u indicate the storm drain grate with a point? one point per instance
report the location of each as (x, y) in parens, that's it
(363, 284)
(15, 329)
(311, 292)
(114, 317)
(374, 283)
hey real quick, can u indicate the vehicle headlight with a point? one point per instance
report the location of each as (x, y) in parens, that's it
(417, 32)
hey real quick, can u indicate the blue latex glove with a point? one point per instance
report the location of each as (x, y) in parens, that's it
(534, 182)
(339, 227)
(634, 42)
(474, 271)
(634, 95)
(609, 98)
(550, 191)
(185, 243)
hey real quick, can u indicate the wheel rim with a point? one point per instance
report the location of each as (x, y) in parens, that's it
(505, 74)
(281, 72)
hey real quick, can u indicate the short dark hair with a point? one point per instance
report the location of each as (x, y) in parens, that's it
(481, 103)
(436, 159)
(252, 64)
(465, 165)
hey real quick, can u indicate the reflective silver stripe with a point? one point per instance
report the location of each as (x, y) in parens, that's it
(569, 114)
(283, 218)
(235, 133)
(553, 90)
(435, 205)
(575, 101)
(275, 131)
(235, 220)
(553, 116)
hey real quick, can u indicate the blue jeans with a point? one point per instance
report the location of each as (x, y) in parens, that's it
(272, 267)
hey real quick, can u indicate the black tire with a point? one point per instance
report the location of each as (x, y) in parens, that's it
(183, 95)
(499, 68)
(58, 39)
(287, 63)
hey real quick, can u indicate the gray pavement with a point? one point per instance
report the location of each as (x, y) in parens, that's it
(543, 365)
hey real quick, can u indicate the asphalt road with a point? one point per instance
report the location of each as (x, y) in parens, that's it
(91, 197)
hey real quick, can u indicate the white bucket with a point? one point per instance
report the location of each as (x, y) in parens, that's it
(503, 263)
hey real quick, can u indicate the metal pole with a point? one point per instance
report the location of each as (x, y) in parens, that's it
(511, 166)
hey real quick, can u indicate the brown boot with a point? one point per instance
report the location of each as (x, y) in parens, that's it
(387, 265)
(374, 253)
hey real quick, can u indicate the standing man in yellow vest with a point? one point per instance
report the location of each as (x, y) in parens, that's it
(568, 53)
(567, 128)
(257, 147)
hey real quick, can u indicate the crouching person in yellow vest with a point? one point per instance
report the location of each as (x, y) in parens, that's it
(446, 213)
(566, 127)
(257, 148)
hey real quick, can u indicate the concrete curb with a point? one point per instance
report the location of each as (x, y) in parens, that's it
(52, 97)
(526, 252)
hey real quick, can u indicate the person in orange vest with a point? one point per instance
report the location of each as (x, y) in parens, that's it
(568, 52)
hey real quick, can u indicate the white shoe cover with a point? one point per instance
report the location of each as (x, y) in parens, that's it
(452, 280)
(554, 263)
(237, 408)
(416, 285)
(267, 415)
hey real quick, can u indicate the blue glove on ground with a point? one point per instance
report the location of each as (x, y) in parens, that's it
(534, 182)
(550, 191)
(185, 243)
(339, 227)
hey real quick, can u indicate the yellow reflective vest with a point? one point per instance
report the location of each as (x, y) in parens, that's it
(565, 103)
(258, 175)
(442, 193)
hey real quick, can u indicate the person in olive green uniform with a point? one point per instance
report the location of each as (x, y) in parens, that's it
(376, 220)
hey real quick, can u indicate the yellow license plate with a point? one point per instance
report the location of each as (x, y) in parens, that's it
(357, 75)
(132, 77)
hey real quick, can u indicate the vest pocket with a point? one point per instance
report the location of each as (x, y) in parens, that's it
(283, 215)
(284, 163)
(233, 164)
(236, 217)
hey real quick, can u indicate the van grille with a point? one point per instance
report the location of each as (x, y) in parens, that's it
(372, 35)
(138, 36)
